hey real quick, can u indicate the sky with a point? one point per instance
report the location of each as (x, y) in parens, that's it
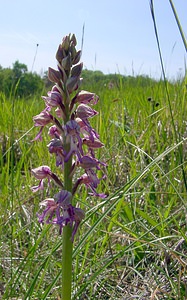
(118, 35)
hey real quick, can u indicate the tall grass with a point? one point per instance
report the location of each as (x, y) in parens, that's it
(133, 242)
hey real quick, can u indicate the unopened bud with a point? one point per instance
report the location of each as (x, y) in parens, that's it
(73, 39)
(66, 42)
(76, 70)
(77, 57)
(73, 83)
(53, 75)
(66, 62)
(73, 51)
(60, 54)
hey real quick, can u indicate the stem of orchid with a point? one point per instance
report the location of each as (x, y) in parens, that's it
(67, 247)
(67, 242)
(67, 263)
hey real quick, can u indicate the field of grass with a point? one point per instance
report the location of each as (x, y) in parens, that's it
(131, 245)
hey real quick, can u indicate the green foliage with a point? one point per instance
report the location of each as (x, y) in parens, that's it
(19, 82)
(134, 241)
(98, 80)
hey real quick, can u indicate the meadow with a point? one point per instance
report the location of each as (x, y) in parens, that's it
(131, 245)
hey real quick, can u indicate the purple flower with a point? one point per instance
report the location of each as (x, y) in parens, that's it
(54, 131)
(70, 215)
(63, 198)
(86, 129)
(78, 216)
(86, 98)
(84, 111)
(54, 99)
(41, 173)
(88, 162)
(72, 133)
(50, 210)
(68, 113)
(43, 119)
(56, 146)
(60, 211)
(92, 144)
(91, 181)
(73, 83)
(54, 75)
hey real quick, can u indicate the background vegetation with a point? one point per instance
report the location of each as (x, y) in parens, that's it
(132, 244)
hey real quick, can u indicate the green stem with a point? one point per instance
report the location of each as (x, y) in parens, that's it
(67, 263)
(67, 247)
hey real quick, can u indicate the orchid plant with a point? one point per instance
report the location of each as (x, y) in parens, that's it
(73, 141)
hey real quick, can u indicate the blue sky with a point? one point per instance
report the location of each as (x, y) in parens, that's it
(119, 35)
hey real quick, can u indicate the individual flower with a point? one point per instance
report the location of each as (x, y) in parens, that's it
(63, 198)
(49, 212)
(53, 99)
(54, 75)
(86, 97)
(86, 129)
(66, 213)
(54, 132)
(91, 182)
(60, 211)
(43, 118)
(84, 112)
(73, 83)
(56, 146)
(92, 144)
(88, 162)
(44, 172)
(72, 133)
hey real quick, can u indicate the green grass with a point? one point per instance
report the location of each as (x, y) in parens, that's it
(133, 242)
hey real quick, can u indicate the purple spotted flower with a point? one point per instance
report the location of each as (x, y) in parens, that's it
(73, 141)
